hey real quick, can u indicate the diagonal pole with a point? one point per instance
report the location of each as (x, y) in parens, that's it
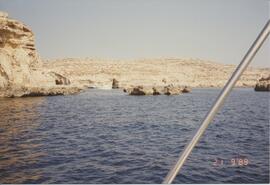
(219, 102)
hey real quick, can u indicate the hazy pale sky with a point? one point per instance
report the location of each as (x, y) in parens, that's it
(218, 30)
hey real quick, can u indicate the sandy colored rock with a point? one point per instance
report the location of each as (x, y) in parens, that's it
(172, 90)
(152, 72)
(60, 79)
(40, 91)
(3, 15)
(128, 89)
(157, 91)
(186, 89)
(21, 69)
(140, 90)
(263, 84)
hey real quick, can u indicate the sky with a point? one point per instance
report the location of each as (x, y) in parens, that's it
(217, 30)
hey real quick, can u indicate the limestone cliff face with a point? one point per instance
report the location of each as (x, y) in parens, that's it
(19, 59)
(20, 65)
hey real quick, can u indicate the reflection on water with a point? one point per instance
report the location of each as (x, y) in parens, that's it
(19, 144)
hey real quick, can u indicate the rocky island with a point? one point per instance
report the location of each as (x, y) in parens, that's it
(24, 73)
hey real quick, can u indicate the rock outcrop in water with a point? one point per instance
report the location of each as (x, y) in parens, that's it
(21, 70)
(166, 90)
(140, 90)
(41, 91)
(186, 90)
(263, 84)
(115, 84)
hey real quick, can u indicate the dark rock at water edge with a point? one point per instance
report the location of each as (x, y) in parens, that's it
(172, 90)
(140, 90)
(165, 90)
(115, 84)
(263, 84)
(186, 90)
(41, 91)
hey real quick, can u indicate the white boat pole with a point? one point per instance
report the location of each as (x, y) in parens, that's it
(219, 102)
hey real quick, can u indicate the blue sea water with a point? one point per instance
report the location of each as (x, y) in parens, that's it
(106, 136)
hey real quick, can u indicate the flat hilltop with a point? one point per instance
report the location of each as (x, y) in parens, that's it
(99, 73)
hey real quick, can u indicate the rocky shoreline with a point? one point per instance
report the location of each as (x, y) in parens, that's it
(23, 73)
(40, 91)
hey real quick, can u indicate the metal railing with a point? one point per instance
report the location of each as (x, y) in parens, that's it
(219, 102)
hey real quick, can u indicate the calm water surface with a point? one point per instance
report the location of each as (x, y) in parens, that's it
(108, 137)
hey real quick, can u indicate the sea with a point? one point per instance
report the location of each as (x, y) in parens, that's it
(107, 136)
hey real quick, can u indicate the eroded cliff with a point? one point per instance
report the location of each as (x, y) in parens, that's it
(21, 69)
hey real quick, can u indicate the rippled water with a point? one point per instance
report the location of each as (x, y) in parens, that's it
(109, 137)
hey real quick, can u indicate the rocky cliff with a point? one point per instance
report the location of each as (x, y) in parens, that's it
(21, 70)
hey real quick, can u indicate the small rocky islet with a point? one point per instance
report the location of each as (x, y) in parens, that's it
(161, 90)
(263, 84)
(23, 72)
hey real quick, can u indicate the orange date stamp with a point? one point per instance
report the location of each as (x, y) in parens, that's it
(234, 162)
